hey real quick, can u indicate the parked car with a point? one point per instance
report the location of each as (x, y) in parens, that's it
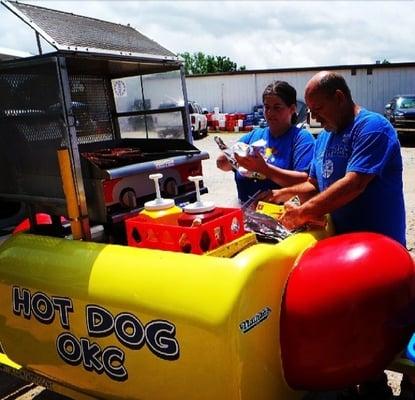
(400, 111)
(171, 126)
(198, 120)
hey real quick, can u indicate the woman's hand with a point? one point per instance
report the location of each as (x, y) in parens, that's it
(223, 163)
(254, 162)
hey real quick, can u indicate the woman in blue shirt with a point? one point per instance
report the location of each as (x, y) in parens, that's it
(287, 150)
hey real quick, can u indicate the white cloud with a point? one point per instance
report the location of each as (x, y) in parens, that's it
(268, 34)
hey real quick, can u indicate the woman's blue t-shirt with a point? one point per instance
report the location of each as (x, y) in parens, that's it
(369, 146)
(293, 150)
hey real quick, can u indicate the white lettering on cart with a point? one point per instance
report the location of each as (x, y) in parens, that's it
(159, 164)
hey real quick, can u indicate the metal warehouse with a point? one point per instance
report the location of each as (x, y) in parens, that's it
(372, 85)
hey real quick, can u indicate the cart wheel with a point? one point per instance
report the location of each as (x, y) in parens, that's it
(170, 187)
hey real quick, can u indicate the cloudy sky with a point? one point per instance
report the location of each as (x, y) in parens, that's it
(269, 34)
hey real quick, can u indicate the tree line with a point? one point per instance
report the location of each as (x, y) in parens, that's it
(200, 63)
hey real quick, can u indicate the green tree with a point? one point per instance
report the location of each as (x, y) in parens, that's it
(200, 63)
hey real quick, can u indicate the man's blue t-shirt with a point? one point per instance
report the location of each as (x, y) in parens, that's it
(369, 146)
(293, 150)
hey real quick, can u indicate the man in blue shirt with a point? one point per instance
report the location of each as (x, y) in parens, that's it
(355, 175)
(356, 172)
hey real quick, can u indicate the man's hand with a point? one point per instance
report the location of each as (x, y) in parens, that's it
(278, 196)
(293, 216)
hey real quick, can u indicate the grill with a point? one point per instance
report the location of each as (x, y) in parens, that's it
(66, 100)
(116, 174)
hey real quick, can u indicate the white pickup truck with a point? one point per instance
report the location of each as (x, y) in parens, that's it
(198, 120)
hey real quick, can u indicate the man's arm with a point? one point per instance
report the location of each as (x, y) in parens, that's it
(304, 191)
(337, 195)
(285, 177)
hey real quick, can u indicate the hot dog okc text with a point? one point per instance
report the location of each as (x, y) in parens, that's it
(157, 335)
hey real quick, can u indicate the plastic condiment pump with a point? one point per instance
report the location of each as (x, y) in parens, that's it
(199, 206)
(159, 207)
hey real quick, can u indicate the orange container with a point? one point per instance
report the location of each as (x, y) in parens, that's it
(165, 233)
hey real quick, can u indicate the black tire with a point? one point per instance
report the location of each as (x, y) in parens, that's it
(170, 188)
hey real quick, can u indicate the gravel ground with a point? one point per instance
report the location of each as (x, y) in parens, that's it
(409, 191)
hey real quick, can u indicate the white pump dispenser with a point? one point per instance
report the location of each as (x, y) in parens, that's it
(199, 206)
(158, 203)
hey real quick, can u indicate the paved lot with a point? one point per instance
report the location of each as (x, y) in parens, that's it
(221, 185)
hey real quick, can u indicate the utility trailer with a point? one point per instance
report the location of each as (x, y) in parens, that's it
(105, 107)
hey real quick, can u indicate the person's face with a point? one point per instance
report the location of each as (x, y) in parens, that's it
(325, 110)
(277, 113)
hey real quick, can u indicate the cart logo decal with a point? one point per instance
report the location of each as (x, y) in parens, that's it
(160, 164)
(128, 331)
(259, 317)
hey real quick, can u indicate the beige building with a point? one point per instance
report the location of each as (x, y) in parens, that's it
(372, 85)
